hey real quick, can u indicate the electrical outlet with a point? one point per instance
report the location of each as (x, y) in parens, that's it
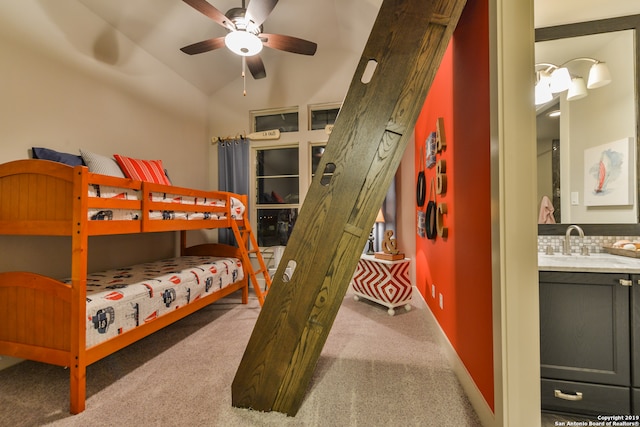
(441, 302)
(433, 290)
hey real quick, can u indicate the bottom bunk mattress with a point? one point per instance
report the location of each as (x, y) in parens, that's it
(118, 300)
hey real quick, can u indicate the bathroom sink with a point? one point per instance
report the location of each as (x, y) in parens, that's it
(599, 255)
(595, 262)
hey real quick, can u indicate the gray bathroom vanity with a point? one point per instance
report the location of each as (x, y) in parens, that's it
(590, 334)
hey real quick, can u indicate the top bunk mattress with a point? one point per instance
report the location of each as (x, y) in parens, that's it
(236, 209)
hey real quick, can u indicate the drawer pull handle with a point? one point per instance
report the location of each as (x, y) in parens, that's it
(625, 282)
(567, 396)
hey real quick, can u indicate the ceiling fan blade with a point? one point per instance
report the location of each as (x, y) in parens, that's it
(259, 10)
(204, 46)
(288, 43)
(256, 66)
(210, 11)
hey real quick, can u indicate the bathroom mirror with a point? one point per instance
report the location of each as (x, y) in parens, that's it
(591, 39)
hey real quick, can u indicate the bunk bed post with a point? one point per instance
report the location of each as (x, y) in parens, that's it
(79, 245)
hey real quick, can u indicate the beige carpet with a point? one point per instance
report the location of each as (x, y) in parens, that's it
(375, 370)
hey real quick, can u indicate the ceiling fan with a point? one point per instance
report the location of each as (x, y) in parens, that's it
(245, 36)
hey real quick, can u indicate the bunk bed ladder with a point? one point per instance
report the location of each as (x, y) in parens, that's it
(248, 244)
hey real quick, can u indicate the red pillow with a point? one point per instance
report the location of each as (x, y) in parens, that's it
(142, 170)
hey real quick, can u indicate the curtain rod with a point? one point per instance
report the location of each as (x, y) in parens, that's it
(241, 136)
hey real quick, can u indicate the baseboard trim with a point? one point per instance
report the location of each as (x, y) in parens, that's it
(480, 405)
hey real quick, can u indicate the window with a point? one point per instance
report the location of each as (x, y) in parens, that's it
(277, 194)
(284, 119)
(322, 115)
(282, 170)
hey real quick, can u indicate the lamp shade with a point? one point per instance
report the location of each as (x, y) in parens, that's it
(577, 90)
(380, 217)
(543, 93)
(560, 80)
(243, 43)
(599, 75)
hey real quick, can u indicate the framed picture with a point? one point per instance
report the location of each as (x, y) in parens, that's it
(431, 149)
(608, 175)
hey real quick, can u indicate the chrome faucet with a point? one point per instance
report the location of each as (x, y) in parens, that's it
(566, 250)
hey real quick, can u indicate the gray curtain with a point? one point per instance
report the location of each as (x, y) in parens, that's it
(233, 174)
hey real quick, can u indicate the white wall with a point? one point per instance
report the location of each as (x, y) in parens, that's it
(135, 107)
(606, 115)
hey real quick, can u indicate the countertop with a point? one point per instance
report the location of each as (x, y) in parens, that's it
(595, 263)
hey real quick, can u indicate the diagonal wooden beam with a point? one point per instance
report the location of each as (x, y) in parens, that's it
(375, 123)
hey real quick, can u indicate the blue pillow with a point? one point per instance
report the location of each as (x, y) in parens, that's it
(48, 154)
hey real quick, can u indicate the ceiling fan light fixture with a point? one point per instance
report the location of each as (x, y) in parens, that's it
(244, 34)
(243, 43)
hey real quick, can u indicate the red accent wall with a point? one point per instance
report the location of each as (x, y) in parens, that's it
(460, 265)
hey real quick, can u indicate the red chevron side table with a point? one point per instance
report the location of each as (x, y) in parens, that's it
(384, 282)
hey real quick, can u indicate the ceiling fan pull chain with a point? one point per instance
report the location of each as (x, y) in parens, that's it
(244, 80)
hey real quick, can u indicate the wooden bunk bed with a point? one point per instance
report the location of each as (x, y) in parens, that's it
(44, 319)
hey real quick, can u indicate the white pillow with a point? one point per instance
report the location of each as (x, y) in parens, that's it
(101, 164)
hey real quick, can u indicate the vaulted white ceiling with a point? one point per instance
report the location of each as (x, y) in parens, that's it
(162, 27)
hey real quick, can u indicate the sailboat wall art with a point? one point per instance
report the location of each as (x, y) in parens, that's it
(608, 175)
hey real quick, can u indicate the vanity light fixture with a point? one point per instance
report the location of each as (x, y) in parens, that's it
(577, 89)
(560, 80)
(543, 88)
(551, 78)
(599, 74)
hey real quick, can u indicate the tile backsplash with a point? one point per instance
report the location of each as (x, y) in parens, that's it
(594, 243)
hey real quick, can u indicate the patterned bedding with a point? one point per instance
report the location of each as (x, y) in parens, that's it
(121, 299)
(108, 192)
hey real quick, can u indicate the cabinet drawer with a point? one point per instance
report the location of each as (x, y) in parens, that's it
(595, 399)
